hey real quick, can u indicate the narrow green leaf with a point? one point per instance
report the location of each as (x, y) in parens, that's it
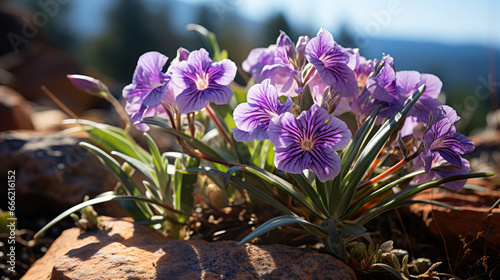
(292, 190)
(252, 189)
(352, 229)
(311, 193)
(379, 192)
(128, 185)
(229, 173)
(95, 201)
(191, 141)
(358, 141)
(137, 165)
(374, 146)
(280, 221)
(112, 138)
(398, 199)
(335, 240)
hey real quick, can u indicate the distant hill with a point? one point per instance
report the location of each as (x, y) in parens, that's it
(456, 65)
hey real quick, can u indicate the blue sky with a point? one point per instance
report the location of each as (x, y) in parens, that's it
(450, 22)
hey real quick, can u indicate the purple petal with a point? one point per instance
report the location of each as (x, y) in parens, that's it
(152, 62)
(433, 85)
(325, 164)
(466, 145)
(191, 100)
(222, 72)
(182, 76)
(155, 96)
(256, 60)
(292, 160)
(259, 134)
(383, 86)
(283, 131)
(199, 60)
(182, 55)
(87, 84)
(282, 79)
(219, 94)
(451, 171)
(424, 107)
(331, 63)
(407, 82)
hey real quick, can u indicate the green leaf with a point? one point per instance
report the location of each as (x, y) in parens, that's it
(335, 240)
(129, 186)
(280, 221)
(358, 141)
(352, 229)
(374, 146)
(111, 138)
(210, 36)
(306, 101)
(286, 186)
(98, 200)
(379, 192)
(252, 189)
(191, 141)
(143, 168)
(398, 199)
(311, 193)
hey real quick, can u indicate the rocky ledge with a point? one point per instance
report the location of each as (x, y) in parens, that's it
(124, 250)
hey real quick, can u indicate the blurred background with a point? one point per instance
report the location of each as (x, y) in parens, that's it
(43, 40)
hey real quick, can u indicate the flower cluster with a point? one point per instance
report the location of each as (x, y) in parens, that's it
(191, 82)
(291, 134)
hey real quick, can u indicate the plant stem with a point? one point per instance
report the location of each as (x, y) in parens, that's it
(374, 164)
(221, 129)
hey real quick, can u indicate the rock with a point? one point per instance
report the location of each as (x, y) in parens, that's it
(53, 173)
(15, 111)
(124, 250)
(469, 221)
(49, 120)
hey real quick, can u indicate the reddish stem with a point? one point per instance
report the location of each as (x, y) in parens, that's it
(219, 125)
(384, 174)
(374, 164)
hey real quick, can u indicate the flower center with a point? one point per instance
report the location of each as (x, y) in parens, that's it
(307, 144)
(201, 81)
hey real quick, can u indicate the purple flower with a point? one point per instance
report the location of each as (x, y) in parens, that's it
(149, 88)
(88, 84)
(327, 98)
(309, 142)
(182, 54)
(198, 81)
(408, 82)
(288, 61)
(362, 67)
(443, 148)
(252, 118)
(331, 62)
(257, 59)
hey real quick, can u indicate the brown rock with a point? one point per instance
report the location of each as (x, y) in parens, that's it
(124, 250)
(467, 221)
(53, 173)
(15, 111)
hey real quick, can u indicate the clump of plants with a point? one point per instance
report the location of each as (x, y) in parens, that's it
(327, 137)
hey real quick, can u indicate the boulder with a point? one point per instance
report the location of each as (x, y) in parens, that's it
(53, 173)
(473, 218)
(15, 111)
(124, 250)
